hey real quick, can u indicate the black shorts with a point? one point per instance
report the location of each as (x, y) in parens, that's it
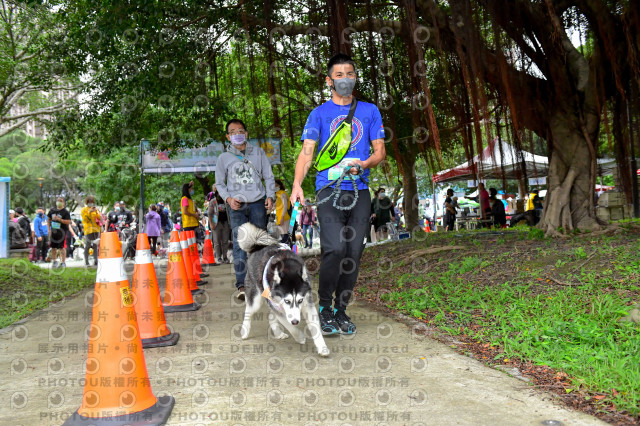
(58, 238)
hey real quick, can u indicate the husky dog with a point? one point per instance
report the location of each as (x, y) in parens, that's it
(276, 275)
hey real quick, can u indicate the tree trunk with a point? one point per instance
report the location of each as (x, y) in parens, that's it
(410, 198)
(569, 200)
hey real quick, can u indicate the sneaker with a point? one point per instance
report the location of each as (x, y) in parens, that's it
(240, 295)
(55, 264)
(344, 322)
(328, 324)
(63, 265)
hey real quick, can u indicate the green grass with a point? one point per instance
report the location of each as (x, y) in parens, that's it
(573, 328)
(25, 288)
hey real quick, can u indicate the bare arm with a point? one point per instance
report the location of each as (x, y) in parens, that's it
(303, 165)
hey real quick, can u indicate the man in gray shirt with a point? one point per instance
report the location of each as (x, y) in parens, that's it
(239, 175)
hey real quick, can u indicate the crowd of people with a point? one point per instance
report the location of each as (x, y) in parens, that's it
(492, 210)
(245, 190)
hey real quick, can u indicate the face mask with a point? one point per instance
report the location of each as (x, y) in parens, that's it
(238, 139)
(191, 192)
(382, 195)
(344, 86)
(40, 214)
(91, 204)
(117, 209)
(59, 205)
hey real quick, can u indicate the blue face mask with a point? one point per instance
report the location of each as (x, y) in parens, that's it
(40, 214)
(191, 192)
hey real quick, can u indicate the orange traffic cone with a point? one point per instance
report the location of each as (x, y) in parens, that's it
(195, 254)
(208, 259)
(426, 228)
(188, 265)
(151, 322)
(195, 258)
(177, 296)
(117, 389)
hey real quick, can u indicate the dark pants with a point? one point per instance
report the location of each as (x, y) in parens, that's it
(450, 220)
(307, 231)
(342, 234)
(153, 244)
(89, 241)
(43, 246)
(254, 213)
(221, 240)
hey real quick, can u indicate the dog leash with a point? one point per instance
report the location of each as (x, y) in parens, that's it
(335, 194)
(292, 223)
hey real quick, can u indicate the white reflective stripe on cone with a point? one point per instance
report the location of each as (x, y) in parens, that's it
(192, 241)
(183, 244)
(174, 247)
(111, 270)
(143, 257)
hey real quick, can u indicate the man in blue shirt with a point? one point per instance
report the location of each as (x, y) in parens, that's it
(342, 232)
(42, 235)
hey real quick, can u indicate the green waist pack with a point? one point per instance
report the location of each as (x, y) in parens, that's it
(338, 144)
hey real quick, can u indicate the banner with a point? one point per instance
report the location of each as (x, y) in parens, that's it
(538, 181)
(198, 160)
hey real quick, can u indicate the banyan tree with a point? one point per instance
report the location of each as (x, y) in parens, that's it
(457, 72)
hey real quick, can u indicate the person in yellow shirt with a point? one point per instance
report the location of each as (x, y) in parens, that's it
(91, 218)
(282, 214)
(188, 208)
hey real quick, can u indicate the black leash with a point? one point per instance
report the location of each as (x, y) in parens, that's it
(335, 194)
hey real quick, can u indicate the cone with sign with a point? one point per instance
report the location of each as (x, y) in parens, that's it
(426, 228)
(208, 259)
(195, 259)
(188, 265)
(177, 295)
(149, 312)
(117, 389)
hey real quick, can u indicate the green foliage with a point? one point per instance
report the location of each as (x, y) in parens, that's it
(573, 328)
(27, 288)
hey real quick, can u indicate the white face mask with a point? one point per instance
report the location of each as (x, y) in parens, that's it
(238, 139)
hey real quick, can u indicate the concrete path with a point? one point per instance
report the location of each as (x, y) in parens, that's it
(388, 373)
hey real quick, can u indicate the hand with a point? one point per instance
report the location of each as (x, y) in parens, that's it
(39, 238)
(354, 170)
(268, 204)
(233, 203)
(297, 194)
(373, 215)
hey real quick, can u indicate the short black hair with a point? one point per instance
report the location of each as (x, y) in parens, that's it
(493, 191)
(339, 58)
(234, 120)
(279, 182)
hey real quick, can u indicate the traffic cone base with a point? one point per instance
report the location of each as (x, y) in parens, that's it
(204, 275)
(182, 308)
(157, 414)
(155, 342)
(202, 282)
(197, 291)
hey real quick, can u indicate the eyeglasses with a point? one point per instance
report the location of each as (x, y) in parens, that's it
(237, 132)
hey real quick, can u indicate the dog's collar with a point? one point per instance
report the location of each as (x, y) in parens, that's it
(266, 293)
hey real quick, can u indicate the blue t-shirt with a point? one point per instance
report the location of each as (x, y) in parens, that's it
(365, 127)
